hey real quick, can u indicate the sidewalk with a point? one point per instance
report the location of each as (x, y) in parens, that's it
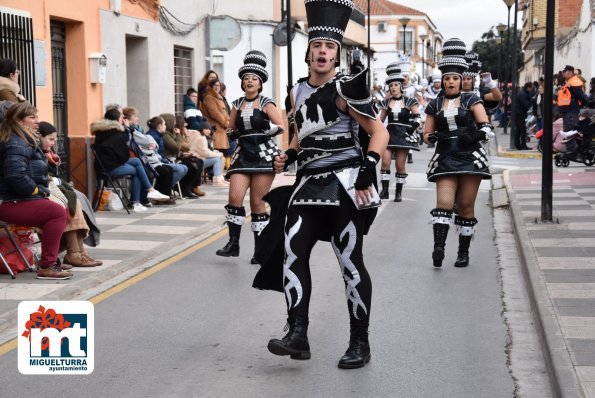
(130, 243)
(504, 148)
(559, 267)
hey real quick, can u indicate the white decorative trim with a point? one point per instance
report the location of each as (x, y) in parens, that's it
(327, 29)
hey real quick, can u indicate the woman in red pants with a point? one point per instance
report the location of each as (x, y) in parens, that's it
(24, 188)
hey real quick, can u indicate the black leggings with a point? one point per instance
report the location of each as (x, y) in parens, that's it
(192, 178)
(344, 226)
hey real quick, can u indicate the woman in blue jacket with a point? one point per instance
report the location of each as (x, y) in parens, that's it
(24, 188)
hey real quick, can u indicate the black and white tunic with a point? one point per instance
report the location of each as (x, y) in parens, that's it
(400, 119)
(330, 153)
(451, 156)
(256, 148)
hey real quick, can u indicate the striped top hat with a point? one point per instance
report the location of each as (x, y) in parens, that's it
(473, 63)
(393, 74)
(255, 62)
(453, 57)
(327, 19)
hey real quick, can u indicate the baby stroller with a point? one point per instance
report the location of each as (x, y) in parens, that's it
(581, 147)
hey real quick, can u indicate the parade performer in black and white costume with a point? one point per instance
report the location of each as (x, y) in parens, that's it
(488, 89)
(403, 121)
(458, 123)
(434, 88)
(334, 198)
(254, 121)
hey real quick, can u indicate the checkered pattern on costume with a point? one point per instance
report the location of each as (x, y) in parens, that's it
(481, 158)
(268, 151)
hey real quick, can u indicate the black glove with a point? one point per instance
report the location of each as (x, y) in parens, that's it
(414, 125)
(233, 134)
(292, 155)
(473, 137)
(438, 136)
(367, 171)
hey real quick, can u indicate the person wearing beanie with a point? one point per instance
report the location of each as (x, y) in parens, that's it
(334, 198)
(457, 122)
(403, 121)
(254, 121)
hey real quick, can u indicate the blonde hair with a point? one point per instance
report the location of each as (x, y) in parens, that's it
(11, 124)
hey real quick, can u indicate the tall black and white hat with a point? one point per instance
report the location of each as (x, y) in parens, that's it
(393, 74)
(327, 19)
(255, 62)
(453, 57)
(473, 63)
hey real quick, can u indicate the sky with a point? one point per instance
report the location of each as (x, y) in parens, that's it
(465, 19)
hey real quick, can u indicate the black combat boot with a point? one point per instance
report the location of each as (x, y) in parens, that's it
(295, 343)
(400, 182)
(235, 219)
(441, 223)
(259, 222)
(384, 179)
(409, 157)
(465, 235)
(358, 352)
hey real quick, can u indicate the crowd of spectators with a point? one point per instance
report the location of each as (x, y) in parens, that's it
(171, 151)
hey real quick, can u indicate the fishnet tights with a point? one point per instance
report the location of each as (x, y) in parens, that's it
(463, 187)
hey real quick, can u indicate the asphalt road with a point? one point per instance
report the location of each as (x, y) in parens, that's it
(198, 328)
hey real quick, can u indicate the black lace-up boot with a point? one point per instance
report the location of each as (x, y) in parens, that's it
(466, 230)
(441, 223)
(295, 343)
(385, 180)
(358, 352)
(235, 219)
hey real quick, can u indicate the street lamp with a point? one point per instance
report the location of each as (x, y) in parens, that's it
(514, 138)
(423, 62)
(404, 21)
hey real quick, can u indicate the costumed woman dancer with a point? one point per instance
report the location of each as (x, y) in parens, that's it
(488, 89)
(403, 121)
(458, 123)
(334, 197)
(254, 121)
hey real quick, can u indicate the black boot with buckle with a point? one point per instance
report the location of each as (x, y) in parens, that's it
(235, 219)
(295, 343)
(466, 229)
(441, 224)
(259, 222)
(358, 352)
(400, 182)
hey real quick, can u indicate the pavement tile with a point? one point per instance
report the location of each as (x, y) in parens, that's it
(147, 229)
(580, 206)
(569, 275)
(565, 251)
(560, 233)
(184, 216)
(128, 245)
(566, 263)
(568, 241)
(586, 373)
(575, 307)
(23, 290)
(571, 290)
(582, 351)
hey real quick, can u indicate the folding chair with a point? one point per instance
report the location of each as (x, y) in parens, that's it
(30, 267)
(103, 178)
